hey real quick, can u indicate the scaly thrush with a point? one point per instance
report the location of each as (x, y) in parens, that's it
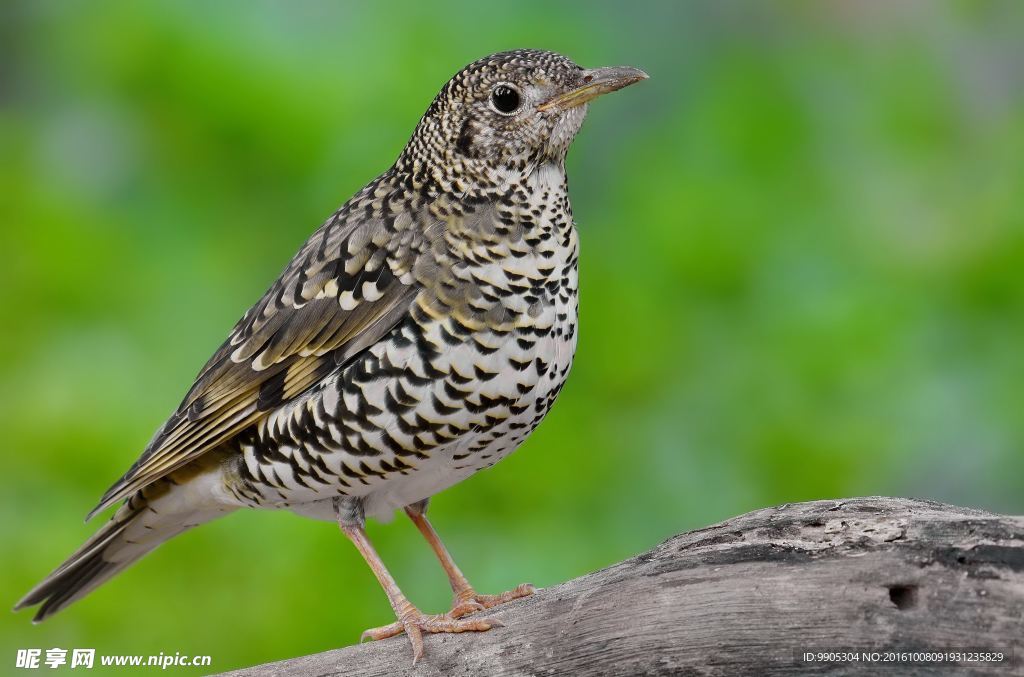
(416, 338)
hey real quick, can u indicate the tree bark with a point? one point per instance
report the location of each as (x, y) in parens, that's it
(751, 596)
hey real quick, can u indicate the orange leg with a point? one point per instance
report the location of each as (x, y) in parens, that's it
(467, 600)
(411, 620)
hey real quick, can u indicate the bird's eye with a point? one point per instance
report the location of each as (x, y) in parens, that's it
(505, 99)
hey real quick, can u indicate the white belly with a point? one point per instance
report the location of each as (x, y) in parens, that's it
(479, 450)
(523, 369)
(482, 445)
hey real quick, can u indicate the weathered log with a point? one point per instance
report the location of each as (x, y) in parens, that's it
(753, 595)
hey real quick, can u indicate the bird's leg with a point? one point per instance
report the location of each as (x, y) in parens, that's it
(466, 600)
(411, 620)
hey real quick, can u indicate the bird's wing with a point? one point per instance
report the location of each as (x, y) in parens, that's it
(350, 283)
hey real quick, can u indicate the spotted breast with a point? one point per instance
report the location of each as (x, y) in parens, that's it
(453, 388)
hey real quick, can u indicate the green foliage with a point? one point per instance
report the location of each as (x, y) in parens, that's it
(801, 278)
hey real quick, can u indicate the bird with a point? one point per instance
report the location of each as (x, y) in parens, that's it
(416, 338)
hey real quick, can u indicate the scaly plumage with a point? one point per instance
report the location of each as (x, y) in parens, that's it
(417, 337)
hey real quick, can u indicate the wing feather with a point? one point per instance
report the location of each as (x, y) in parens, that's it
(341, 293)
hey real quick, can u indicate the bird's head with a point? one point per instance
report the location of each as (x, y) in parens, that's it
(505, 114)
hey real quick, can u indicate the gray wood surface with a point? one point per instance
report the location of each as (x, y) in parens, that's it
(748, 597)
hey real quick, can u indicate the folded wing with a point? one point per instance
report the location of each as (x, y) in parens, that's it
(349, 284)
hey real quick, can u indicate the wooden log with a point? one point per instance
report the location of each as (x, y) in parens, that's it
(752, 595)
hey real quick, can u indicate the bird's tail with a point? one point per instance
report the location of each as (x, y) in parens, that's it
(152, 515)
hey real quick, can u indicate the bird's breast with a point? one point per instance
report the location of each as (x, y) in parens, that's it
(456, 386)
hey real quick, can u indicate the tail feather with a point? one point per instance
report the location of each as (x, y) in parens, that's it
(87, 567)
(149, 517)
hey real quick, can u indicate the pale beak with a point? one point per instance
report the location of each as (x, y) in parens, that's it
(593, 83)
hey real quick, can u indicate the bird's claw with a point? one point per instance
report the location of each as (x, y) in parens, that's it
(415, 623)
(465, 607)
(470, 598)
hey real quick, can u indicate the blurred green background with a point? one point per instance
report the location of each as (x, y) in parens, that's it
(802, 277)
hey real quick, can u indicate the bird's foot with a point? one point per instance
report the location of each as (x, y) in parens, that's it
(468, 601)
(414, 623)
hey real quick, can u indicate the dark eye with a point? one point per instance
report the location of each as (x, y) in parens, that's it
(505, 99)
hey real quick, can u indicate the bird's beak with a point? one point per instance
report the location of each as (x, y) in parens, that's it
(593, 83)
